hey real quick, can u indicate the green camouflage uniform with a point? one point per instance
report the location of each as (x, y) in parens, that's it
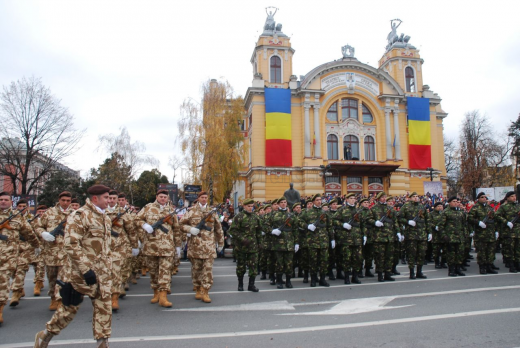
(317, 240)
(415, 236)
(510, 237)
(350, 242)
(385, 236)
(368, 248)
(263, 252)
(334, 254)
(453, 234)
(246, 230)
(484, 238)
(438, 244)
(283, 245)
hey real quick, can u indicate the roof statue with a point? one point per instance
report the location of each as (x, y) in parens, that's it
(348, 51)
(394, 40)
(270, 26)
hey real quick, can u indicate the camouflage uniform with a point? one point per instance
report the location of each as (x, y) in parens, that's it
(37, 261)
(333, 252)
(246, 230)
(415, 236)
(439, 252)
(263, 253)
(304, 246)
(159, 247)
(368, 248)
(202, 248)
(282, 245)
(484, 238)
(87, 244)
(453, 234)
(510, 236)
(384, 237)
(26, 254)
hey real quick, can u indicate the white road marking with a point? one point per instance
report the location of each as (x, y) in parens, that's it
(277, 331)
(260, 306)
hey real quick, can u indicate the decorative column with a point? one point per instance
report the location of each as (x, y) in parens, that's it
(388, 134)
(317, 149)
(397, 137)
(307, 137)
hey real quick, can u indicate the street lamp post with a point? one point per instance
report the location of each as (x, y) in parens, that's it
(431, 172)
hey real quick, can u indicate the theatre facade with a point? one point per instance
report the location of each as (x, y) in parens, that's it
(343, 127)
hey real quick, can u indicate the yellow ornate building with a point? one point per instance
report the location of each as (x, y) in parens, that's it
(349, 122)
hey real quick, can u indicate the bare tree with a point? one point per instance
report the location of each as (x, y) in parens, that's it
(452, 161)
(37, 133)
(176, 163)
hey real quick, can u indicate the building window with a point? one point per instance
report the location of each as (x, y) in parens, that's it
(332, 147)
(354, 180)
(410, 79)
(332, 179)
(276, 69)
(367, 115)
(375, 180)
(349, 108)
(370, 149)
(332, 114)
(351, 148)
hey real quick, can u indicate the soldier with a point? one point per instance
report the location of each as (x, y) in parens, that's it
(130, 245)
(74, 204)
(37, 260)
(297, 260)
(413, 215)
(271, 255)
(368, 248)
(318, 224)
(439, 251)
(122, 237)
(452, 230)
(333, 252)
(283, 241)
(201, 244)
(10, 233)
(159, 244)
(390, 201)
(384, 218)
(263, 253)
(481, 216)
(87, 270)
(246, 230)
(508, 215)
(50, 229)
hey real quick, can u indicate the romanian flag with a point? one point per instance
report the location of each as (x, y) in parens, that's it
(278, 148)
(419, 134)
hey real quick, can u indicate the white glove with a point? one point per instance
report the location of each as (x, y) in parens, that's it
(188, 235)
(296, 248)
(496, 235)
(429, 237)
(472, 234)
(379, 224)
(402, 239)
(311, 227)
(178, 250)
(194, 231)
(411, 223)
(510, 224)
(48, 237)
(139, 244)
(333, 244)
(276, 232)
(364, 240)
(347, 226)
(263, 233)
(135, 252)
(219, 249)
(399, 236)
(436, 228)
(37, 251)
(147, 228)
(481, 224)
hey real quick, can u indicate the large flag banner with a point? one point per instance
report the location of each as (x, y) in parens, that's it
(278, 148)
(419, 134)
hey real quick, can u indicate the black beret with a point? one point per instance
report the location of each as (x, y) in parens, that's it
(21, 201)
(510, 193)
(437, 204)
(481, 194)
(97, 190)
(112, 193)
(452, 199)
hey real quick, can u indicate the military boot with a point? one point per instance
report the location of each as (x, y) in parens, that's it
(133, 278)
(300, 272)
(437, 263)
(420, 274)
(42, 339)
(339, 274)
(115, 302)
(163, 301)
(279, 281)
(412, 273)
(252, 286)
(272, 280)
(388, 277)
(314, 278)
(15, 299)
(288, 283)
(368, 273)
(443, 264)
(331, 275)
(360, 274)
(155, 298)
(355, 278)
(494, 267)
(394, 271)
(490, 269)
(205, 295)
(323, 282)
(264, 275)
(241, 283)
(305, 276)
(512, 267)
(462, 268)
(1, 314)
(102, 343)
(198, 293)
(458, 271)
(380, 277)
(38, 287)
(482, 269)
(347, 278)
(451, 272)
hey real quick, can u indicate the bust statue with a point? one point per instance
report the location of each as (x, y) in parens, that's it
(292, 195)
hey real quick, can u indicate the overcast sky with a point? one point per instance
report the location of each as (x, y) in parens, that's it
(131, 63)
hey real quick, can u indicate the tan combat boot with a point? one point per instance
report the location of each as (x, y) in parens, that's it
(54, 304)
(205, 295)
(155, 298)
(1, 314)
(127, 285)
(115, 302)
(15, 300)
(102, 343)
(133, 278)
(23, 293)
(175, 270)
(198, 294)
(163, 301)
(38, 288)
(42, 339)
(122, 292)
(143, 271)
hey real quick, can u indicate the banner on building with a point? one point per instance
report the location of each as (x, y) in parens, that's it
(419, 133)
(278, 147)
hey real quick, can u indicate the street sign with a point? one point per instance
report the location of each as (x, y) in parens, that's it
(173, 191)
(191, 192)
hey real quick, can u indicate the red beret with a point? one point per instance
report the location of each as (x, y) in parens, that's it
(97, 190)
(65, 194)
(162, 192)
(42, 207)
(74, 200)
(202, 193)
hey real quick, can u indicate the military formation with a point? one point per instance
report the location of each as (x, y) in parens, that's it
(100, 248)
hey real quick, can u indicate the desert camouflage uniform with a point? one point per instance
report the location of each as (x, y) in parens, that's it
(87, 244)
(159, 247)
(25, 255)
(37, 260)
(9, 249)
(202, 248)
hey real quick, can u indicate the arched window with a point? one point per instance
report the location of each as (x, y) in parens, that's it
(276, 69)
(332, 113)
(349, 108)
(351, 148)
(370, 149)
(367, 115)
(332, 147)
(410, 79)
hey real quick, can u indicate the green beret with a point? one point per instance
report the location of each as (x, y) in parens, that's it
(380, 194)
(248, 201)
(326, 204)
(274, 201)
(295, 205)
(389, 198)
(317, 195)
(308, 201)
(267, 206)
(335, 200)
(350, 195)
(281, 199)
(363, 200)
(413, 194)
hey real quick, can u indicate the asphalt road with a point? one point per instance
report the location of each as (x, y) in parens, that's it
(441, 311)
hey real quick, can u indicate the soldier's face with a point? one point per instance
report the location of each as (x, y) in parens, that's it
(74, 206)
(21, 207)
(122, 201)
(298, 209)
(112, 201)
(382, 199)
(268, 210)
(162, 199)
(248, 208)
(40, 212)
(317, 201)
(454, 203)
(203, 200)
(64, 202)
(415, 198)
(439, 208)
(101, 201)
(482, 199)
(351, 200)
(309, 205)
(325, 208)
(274, 206)
(390, 202)
(511, 199)
(365, 204)
(5, 202)
(334, 206)
(282, 204)
(261, 212)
